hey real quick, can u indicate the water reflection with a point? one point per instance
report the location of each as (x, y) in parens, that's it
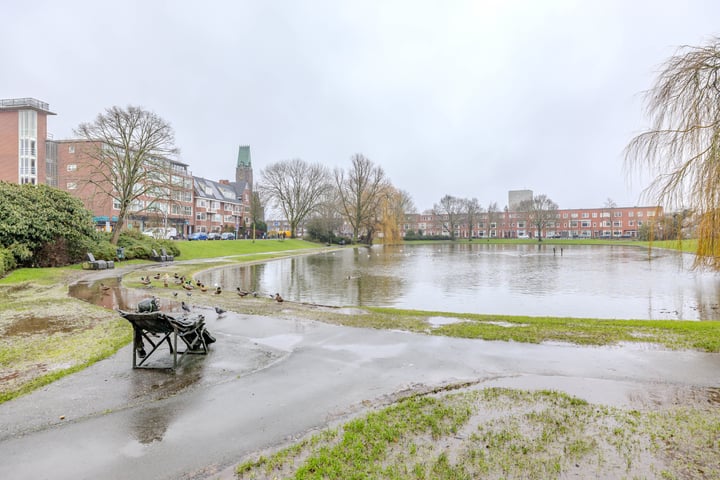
(579, 281)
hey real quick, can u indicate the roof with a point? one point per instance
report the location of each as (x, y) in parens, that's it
(24, 103)
(244, 156)
(205, 188)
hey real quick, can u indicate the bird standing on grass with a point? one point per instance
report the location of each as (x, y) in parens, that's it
(278, 298)
(219, 311)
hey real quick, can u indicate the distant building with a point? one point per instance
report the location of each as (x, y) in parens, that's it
(243, 170)
(220, 206)
(26, 155)
(515, 197)
(616, 222)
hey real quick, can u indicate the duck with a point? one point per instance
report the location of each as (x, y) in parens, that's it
(104, 287)
(145, 280)
(241, 292)
(156, 276)
(278, 298)
(203, 288)
(187, 286)
(198, 283)
(218, 290)
(185, 306)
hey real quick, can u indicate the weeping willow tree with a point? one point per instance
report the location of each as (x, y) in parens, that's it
(681, 149)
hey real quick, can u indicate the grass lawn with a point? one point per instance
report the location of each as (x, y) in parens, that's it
(191, 250)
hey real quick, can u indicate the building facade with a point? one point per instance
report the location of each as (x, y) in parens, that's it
(609, 222)
(167, 204)
(25, 157)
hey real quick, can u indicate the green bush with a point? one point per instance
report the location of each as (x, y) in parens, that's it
(43, 226)
(7, 261)
(137, 245)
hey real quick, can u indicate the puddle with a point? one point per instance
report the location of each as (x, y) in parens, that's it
(370, 352)
(507, 324)
(439, 321)
(284, 342)
(114, 296)
(34, 325)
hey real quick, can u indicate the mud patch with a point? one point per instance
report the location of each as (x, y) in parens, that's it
(35, 325)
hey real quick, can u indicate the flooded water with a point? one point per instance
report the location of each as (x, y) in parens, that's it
(537, 280)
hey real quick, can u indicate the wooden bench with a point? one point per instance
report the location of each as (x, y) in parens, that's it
(157, 328)
(92, 264)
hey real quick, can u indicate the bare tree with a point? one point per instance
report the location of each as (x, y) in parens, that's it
(493, 216)
(450, 213)
(539, 212)
(360, 193)
(128, 158)
(296, 187)
(682, 146)
(472, 214)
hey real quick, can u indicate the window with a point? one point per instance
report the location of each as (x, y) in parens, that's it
(200, 216)
(631, 214)
(201, 203)
(617, 214)
(71, 148)
(565, 215)
(71, 167)
(573, 215)
(650, 213)
(631, 223)
(71, 185)
(594, 215)
(639, 215)
(116, 204)
(617, 224)
(585, 223)
(585, 215)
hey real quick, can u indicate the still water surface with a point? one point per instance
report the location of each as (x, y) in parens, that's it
(580, 281)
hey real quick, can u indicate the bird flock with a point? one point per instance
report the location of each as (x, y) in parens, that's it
(190, 285)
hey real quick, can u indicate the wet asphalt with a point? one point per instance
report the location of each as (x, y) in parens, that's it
(267, 381)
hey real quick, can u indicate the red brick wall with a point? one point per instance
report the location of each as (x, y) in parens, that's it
(9, 146)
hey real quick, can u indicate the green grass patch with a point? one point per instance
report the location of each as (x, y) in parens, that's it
(191, 250)
(503, 433)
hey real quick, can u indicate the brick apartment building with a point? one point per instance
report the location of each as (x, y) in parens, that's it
(26, 156)
(169, 205)
(616, 222)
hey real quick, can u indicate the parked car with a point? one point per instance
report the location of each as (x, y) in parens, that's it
(213, 236)
(198, 236)
(227, 236)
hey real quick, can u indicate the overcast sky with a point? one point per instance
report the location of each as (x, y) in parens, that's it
(468, 98)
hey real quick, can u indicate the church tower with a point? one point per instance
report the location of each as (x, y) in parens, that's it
(243, 170)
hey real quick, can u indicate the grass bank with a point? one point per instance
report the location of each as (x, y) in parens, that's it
(193, 250)
(503, 433)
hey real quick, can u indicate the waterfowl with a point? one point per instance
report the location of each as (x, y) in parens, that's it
(185, 306)
(219, 311)
(278, 298)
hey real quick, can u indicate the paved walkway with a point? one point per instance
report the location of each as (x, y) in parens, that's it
(268, 381)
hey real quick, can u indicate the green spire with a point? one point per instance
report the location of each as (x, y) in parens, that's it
(244, 156)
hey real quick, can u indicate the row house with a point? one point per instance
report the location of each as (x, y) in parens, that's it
(167, 202)
(221, 206)
(615, 222)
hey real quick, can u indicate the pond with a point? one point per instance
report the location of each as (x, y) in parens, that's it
(538, 280)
